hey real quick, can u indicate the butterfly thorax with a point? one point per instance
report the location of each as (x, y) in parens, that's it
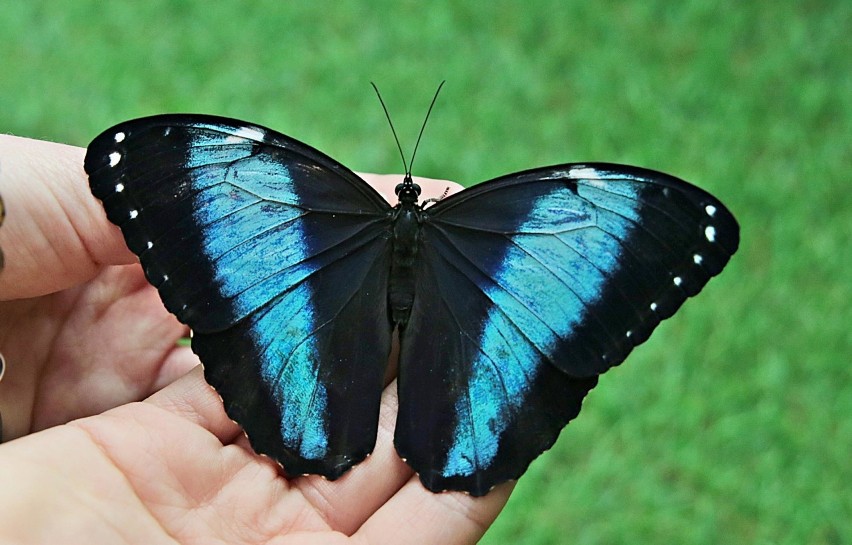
(406, 237)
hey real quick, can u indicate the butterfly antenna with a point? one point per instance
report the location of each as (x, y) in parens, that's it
(385, 108)
(423, 127)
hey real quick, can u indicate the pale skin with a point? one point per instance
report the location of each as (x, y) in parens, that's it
(111, 434)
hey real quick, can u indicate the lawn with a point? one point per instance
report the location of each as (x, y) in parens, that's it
(732, 424)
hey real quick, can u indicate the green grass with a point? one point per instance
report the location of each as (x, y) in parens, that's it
(732, 425)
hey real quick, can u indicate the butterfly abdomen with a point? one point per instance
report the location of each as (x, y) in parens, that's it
(406, 234)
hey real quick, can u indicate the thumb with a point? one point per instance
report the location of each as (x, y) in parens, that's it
(55, 234)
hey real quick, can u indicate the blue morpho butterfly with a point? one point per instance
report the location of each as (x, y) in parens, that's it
(510, 297)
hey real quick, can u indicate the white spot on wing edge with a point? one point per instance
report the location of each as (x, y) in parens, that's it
(697, 258)
(114, 158)
(710, 209)
(654, 307)
(710, 233)
(150, 244)
(119, 136)
(119, 187)
(249, 133)
(677, 280)
(134, 214)
(586, 173)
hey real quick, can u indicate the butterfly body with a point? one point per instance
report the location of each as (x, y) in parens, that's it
(510, 297)
(407, 217)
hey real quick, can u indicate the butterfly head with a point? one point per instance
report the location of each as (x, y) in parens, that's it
(407, 191)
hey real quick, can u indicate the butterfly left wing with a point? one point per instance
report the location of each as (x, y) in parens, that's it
(277, 257)
(529, 286)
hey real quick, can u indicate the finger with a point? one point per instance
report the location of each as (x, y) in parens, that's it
(414, 516)
(191, 398)
(117, 345)
(174, 366)
(345, 504)
(53, 223)
(432, 188)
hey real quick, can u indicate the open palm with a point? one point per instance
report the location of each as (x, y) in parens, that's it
(132, 445)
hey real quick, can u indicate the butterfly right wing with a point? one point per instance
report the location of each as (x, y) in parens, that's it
(277, 257)
(528, 287)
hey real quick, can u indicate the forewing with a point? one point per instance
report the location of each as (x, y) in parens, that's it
(276, 256)
(529, 287)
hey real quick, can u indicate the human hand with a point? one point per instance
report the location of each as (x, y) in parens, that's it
(126, 449)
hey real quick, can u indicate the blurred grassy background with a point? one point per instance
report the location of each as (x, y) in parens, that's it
(732, 425)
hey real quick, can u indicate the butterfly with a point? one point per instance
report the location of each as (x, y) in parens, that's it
(510, 298)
